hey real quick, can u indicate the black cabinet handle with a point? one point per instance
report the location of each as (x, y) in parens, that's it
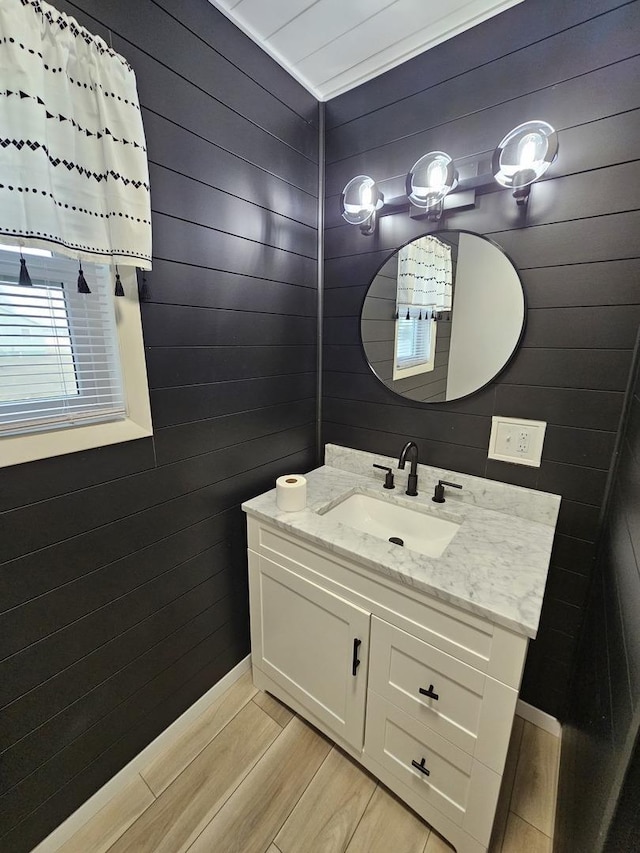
(429, 692)
(421, 767)
(355, 663)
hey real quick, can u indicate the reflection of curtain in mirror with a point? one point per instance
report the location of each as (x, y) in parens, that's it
(425, 274)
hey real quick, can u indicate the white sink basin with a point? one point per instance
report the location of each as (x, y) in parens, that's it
(419, 531)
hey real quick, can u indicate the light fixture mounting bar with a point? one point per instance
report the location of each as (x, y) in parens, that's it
(453, 201)
(457, 199)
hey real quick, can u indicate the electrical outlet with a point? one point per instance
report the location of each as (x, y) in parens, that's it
(523, 442)
(517, 441)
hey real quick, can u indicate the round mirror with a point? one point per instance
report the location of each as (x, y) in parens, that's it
(443, 316)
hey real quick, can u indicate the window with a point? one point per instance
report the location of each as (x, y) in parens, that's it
(72, 373)
(415, 342)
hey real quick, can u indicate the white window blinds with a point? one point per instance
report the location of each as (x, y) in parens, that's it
(59, 352)
(413, 344)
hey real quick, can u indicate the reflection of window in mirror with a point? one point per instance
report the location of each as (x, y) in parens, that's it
(424, 289)
(415, 342)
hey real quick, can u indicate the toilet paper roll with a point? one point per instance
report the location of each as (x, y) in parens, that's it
(291, 492)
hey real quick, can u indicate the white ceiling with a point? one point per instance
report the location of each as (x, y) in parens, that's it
(331, 46)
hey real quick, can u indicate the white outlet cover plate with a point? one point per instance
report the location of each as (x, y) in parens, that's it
(504, 440)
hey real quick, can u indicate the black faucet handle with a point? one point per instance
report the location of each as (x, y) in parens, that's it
(438, 495)
(388, 479)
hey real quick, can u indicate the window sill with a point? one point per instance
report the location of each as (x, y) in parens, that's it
(18, 449)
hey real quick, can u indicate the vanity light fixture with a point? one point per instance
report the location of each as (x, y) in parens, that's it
(433, 182)
(361, 200)
(429, 181)
(523, 156)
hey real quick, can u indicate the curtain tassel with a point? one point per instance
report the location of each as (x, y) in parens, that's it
(396, 316)
(83, 287)
(408, 317)
(119, 289)
(25, 278)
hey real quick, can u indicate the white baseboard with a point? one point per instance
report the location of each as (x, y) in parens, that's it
(539, 718)
(93, 805)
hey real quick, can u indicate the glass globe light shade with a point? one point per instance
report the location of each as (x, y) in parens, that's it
(525, 154)
(430, 179)
(360, 199)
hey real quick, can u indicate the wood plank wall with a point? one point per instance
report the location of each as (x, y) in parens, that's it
(575, 64)
(603, 716)
(123, 578)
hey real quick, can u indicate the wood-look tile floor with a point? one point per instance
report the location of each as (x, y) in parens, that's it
(249, 776)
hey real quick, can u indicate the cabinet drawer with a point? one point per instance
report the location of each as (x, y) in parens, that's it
(469, 709)
(462, 789)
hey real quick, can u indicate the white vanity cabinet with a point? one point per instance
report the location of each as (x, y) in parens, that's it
(420, 692)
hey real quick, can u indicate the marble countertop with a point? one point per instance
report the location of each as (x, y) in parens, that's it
(495, 566)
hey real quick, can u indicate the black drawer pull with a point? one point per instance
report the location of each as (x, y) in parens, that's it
(428, 692)
(421, 767)
(355, 663)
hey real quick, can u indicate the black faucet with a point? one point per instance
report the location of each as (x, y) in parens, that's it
(411, 450)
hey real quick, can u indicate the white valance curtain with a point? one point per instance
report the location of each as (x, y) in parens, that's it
(73, 166)
(425, 274)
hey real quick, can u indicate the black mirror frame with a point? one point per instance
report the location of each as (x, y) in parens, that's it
(434, 232)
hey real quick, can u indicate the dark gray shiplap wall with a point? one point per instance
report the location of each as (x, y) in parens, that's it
(123, 578)
(603, 716)
(624, 831)
(575, 64)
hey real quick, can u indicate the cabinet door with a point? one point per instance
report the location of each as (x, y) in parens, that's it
(312, 643)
